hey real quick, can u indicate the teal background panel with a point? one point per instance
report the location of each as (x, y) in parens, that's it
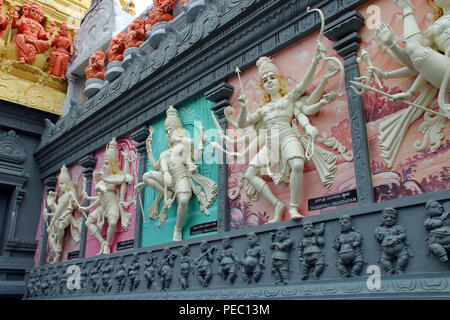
(193, 114)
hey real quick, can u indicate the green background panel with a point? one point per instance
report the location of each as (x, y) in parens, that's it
(193, 114)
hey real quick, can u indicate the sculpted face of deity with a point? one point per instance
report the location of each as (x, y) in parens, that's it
(270, 83)
(389, 217)
(308, 229)
(63, 30)
(345, 223)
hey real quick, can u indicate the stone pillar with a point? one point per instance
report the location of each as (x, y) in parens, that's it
(50, 183)
(74, 90)
(344, 31)
(88, 163)
(140, 137)
(219, 95)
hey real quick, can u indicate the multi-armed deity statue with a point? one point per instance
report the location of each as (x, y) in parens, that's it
(111, 186)
(31, 38)
(96, 66)
(62, 213)
(285, 144)
(160, 12)
(177, 174)
(426, 58)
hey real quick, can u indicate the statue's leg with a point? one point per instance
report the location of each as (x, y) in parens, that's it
(113, 216)
(183, 193)
(62, 225)
(21, 48)
(155, 180)
(251, 174)
(92, 226)
(296, 180)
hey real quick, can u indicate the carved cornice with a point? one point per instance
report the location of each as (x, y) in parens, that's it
(192, 58)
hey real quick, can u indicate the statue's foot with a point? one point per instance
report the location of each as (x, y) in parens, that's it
(294, 214)
(177, 234)
(106, 249)
(139, 187)
(278, 212)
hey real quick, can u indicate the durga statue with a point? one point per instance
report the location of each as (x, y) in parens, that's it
(426, 58)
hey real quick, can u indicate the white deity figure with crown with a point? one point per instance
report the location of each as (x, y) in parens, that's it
(285, 146)
(426, 58)
(61, 211)
(111, 185)
(176, 174)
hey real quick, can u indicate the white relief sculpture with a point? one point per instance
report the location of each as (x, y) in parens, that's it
(110, 205)
(426, 59)
(174, 174)
(275, 123)
(61, 211)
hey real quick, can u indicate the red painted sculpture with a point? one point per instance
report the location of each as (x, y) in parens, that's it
(159, 13)
(136, 33)
(116, 47)
(4, 21)
(59, 58)
(96, 66)
(31, 38)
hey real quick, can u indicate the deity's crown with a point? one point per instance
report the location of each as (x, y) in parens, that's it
(64, 174)
(264, 65)
(172, 119)
(112, 152)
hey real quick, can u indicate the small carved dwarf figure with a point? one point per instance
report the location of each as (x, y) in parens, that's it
(185, 266)
(133, 272)
(437, 223)
(107, 269)
(96, 66)
(116, 47)
(253, 261)
(348, 243)
(136, 33)
(228, 261)
(150, 270)
(204, 262)
(59, 58)
(159, 13)
(392, 237)
(311, 251)
(120, 275)
(282, 244)
(166, 268)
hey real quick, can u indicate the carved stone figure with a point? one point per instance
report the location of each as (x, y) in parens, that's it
(311, 251)
(165, 269)
(31, 38)
(135, 33)
(349, 245)
(426, 57)
(116, 47)
(94, 280)
(159, 13)
(203, 263)
(282, 245)
(285, 145)
(96, 66)
(438, 225)
(392, 237)
(59, 58)
(253, 261)
(185, 266)
(177, 174)
(228, 262)
(121, 274)
(107, 270)
(44, 283)
(62, 213)
(133, 272)
(150, 270)
(111, 185)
